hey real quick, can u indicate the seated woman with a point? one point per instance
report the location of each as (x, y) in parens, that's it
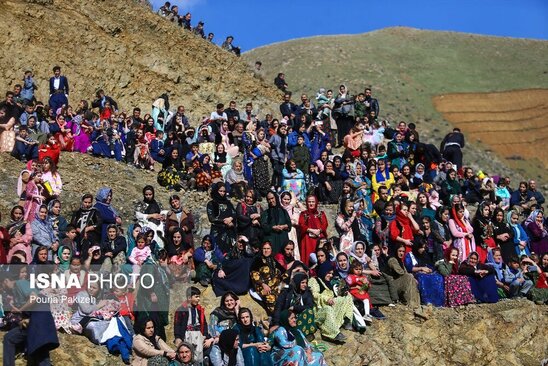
(538, 232)
(481, 277)
(431, 285)
(331, 184)
(180, 254)
(347, 224)
(185, 355)
(148, 347)
(457, 287)
(381, 292)
(235, 177)
(233, 273)
(494, 259)
(266, 277)
(255, 349)
(227, 350)
(404, 283)
(290, 346)
(504, 235)
(225, 316)
(50, 149)
(205, 172)
(298, 299)
(207, 259)
(402, 229)
(382, 177)
(20, 234)
(293, 180)
(521, 240)
(332, 309)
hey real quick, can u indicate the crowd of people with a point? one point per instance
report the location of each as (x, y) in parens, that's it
(171, 13)
(401, 208)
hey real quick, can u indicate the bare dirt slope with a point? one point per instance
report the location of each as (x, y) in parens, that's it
(512, 123)
(124, 48)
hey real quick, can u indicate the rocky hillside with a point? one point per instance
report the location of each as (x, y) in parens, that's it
(407, 67)
(123, 48)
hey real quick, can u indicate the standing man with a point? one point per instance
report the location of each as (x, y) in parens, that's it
(58, 89)
(451, 147)
(371, 104)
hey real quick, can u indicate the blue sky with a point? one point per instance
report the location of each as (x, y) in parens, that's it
(261, 22)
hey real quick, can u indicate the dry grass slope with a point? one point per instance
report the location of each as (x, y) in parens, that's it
(513, 123)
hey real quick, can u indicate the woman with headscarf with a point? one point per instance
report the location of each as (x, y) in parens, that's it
(266, 277)
(383, 224)
(294, 207)
(331, 183)
(503, 234)
(207, 258)
(222, 161)
(105, 210)
(51, 149)
(481, 278)
(51, 178)
(224, 316)
(58, 222)
(450, 187)
(20, 234)
(233, 273)
(276, 223)
(431, 284)
(298, 299)
(34, 196)
(312, 226)
(255, 349)
(494, 259)
(235, 177)
(382, 177)
(148, 210)
(43, 233)
(222, 216)
(260, 174)
(333, 307)
(205, 172)
(398, 150)
(180, 254)
(404, 283)
(248, 213)
(154, 302)
(148, 347)
(462, 232)
(293, 180)
(403, 228)
(179, 218)
(347, 225)
(538, 232)
(457, 287)
(227, 351)
(483, 231)
(521, 240)
(185, 355)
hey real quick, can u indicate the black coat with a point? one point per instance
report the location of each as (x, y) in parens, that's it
(284, 302)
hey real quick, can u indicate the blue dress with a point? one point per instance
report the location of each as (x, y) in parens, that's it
(431, 285)
(285, 351)
(252, 356)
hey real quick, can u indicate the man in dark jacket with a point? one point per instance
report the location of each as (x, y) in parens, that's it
(58, 89)
(102, 99)
(371, 104)
(288, 108)
(451, 147)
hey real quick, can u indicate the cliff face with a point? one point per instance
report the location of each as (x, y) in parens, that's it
(123, 48)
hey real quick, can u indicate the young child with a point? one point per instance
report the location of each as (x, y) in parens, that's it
(193, 155)
(322, 99)
(140, 254)
(126, 300)
(301, 154)
(514, 278)
(142, 158)
(359, 289)
(190, 324)
(70, 241)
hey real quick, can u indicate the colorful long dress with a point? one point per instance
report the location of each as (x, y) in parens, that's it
(431, 285)
(266, 270)
(457, 287)
(329, 318)
(286, 352)
(294, 182)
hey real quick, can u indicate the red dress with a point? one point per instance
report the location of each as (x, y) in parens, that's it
(359, 287)
(311, 219)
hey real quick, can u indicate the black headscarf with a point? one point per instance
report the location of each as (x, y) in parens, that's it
(245, 330)
(152, 206)
(226, 345)
(217, 198)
